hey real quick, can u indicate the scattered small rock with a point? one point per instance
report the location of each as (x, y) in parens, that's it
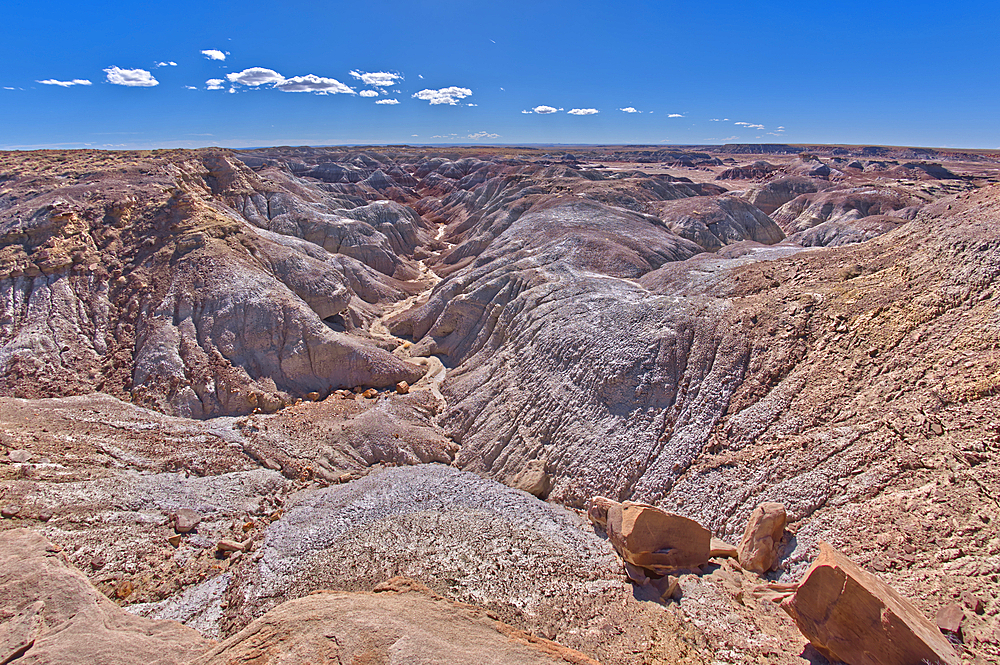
(19, 456)
(313, 396)
(949, 620)
(10, 510)
(973, 603)
(720, 548)
(44, 515)
(230, 546)
(371, 393)
(98, 561)
(185, 520)
(402, 387)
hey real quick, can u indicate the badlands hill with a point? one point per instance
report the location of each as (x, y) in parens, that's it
(354, 366)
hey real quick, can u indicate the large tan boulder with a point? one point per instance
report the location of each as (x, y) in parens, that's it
(850, 615)
(402, 623)
(657, 540)
(50, 613)
(758, 550)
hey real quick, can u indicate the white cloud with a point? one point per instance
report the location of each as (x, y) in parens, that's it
(214, 84)
(472, 104)
(191, 87)
(675, 115)
(64, 84)
(582, 111)
(420, 76)
(313, 83)
(213, 54)
(483, 135)
(449, 95)
(544, 110)
(630, 109)
(528, 112)
(387, 101)
(742, 123)
(378, 79)
(368, 93)
(255, 76)
(749, 125)
(133, 78)
(169, 63)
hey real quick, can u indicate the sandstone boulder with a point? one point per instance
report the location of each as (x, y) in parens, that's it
(660, 541)
(758, 550)
(850, 615)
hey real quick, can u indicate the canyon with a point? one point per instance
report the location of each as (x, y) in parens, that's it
(390, 379)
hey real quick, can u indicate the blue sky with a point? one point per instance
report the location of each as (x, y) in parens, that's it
(137, 75)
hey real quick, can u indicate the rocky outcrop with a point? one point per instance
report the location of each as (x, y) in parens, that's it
(402, 622)
(778, 191)
(52, 614)
(755, 171)
(846, 231)
(151, 287)
(718, 221)
(810, 210)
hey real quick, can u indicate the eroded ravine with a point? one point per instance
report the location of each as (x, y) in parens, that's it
(379, 330)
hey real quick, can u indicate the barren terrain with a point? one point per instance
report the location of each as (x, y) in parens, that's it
(361, 364)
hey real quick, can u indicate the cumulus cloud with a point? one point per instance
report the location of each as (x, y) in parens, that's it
(313, 83)
(214, 84)
(582, 111)
(213, 54)
(377, 79)
(65, 84)
(449, 95)
(255, 76)
(483, 135)
(169, 63)
(387, 101)
(544, 110)
(133, 78)
(749, 125)
(368, 93)
(190, 87)
(675, 115)
(630, 109)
